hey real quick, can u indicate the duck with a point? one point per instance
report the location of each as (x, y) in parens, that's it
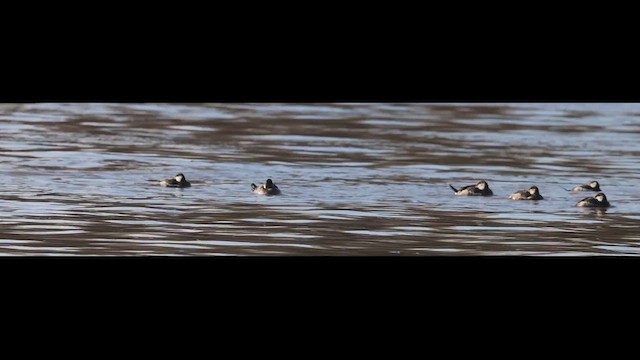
(479, 189)
(531, 194)
(600, 200)
(269, 188)
(179, 181)
(592, 186)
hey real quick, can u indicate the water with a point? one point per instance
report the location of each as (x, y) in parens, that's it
(357, 179)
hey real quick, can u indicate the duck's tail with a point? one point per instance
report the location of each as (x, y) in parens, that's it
(454, 189)
(563, 188)
(253, 186)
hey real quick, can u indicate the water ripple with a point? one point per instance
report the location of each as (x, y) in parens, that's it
(357, 179)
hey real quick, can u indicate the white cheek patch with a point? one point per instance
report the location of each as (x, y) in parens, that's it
(593, 185)
(481, 186)
(178, 178)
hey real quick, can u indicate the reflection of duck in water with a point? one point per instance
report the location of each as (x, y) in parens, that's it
(592, 186)
(479, 189)
(179, 181)
(269, 188)
(600, 200)
(532, 194)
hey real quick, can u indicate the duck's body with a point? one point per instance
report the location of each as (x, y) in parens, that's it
(178, 181)
(531, 194)
(269, 188)
(479, 189)
(600, 200)
(592, 186)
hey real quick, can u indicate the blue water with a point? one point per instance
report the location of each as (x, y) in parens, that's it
(357, 179)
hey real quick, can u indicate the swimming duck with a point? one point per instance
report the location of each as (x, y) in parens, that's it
(269, 188)
(532, 194)
(179, 181)
(600, 200)
(592, 186)
(479, 189)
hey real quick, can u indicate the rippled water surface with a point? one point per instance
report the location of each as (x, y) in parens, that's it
(356, 179)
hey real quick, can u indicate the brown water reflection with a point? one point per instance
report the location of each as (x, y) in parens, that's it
(357, 179)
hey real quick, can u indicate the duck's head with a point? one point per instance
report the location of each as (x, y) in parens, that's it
(482, 185)
(180, 178)
(534, 190)
(601, 197)
(594, 185)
